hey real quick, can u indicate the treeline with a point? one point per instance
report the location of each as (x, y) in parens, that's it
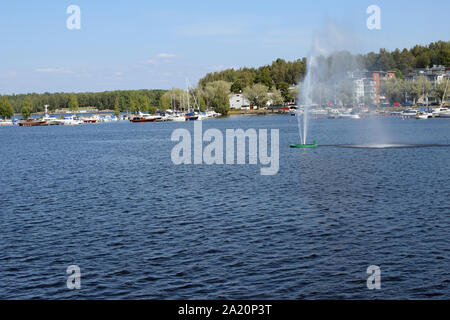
(436, 53)
(122, 99)
(282, 74)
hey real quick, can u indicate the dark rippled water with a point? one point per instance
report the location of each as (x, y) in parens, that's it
(108, 199)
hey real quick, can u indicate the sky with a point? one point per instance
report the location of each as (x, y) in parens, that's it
(139, 44)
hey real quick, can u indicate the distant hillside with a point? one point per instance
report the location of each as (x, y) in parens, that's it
(281, 74)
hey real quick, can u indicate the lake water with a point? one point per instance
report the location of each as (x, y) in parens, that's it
(108, 198)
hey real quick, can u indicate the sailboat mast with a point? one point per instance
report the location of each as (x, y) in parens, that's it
(445, 94)
(187, 92)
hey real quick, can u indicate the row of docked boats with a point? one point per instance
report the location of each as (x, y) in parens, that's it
(173, 116)
(329, 112)
(426, 113)
(48, 120)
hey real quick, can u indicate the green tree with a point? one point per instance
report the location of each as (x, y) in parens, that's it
(144, 103)
(117, 106)
(424, 85)
(440, 90)
(73, 103)
(398, 74)
(215, 88)
(27, 108)
(423, 60)
(174, 98)
(277, 98)
(221, 102)
(6, 109)
(393, 89)
(413, 89)
(133, 106)
(284, 89)
(257, 94)
(237, 86)
(263, 77)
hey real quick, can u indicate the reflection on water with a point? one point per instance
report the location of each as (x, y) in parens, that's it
(385, 146)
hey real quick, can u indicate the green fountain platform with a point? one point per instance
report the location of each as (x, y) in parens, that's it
(304, 146)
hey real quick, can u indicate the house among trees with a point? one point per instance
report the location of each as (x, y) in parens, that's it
(435, 74)
(238, 101)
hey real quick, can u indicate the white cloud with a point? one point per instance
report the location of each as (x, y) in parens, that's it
(167, 55)
(150, 61)
(53, 70)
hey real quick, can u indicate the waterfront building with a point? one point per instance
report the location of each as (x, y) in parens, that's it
(366, 86)
(436, 75)
(238, 101)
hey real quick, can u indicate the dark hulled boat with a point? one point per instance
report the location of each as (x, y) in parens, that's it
(32, 123)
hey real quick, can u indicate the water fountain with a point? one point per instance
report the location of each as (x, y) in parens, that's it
(328, 66)
(306, 99)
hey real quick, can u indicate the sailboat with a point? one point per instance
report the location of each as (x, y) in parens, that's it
(191, 115)
(173, 115)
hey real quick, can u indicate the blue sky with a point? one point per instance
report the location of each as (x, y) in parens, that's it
(138, 44)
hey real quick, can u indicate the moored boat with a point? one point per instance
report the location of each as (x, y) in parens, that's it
(349, 116)
(191, 116)
(143, 117)
(176, 118)
(409, 113)
(438, 111)
(6, 123)
(444, 114)
(32, 123)
(422, 116)
(68, 121)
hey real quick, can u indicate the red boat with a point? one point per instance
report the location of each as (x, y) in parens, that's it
(32, 123)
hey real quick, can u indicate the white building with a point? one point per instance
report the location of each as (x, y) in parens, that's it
(238, 101)
(358, 91)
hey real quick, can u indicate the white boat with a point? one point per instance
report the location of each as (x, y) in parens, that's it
(202, 115)
(318, 112)
(50, 121)
(162, 118)
(68, 121)
(145, 117)
(176, 118)
(438, 111)
(422, 116)
(445, 114)
(333, 114)
(6, 123)
(109, 118)
(212, 114)
(349, 116)
(91, 119)
(409, 113)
